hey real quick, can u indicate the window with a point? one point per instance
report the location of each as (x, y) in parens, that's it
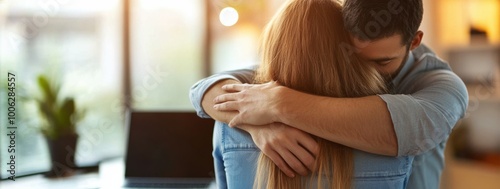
(77, 44)
(168, 46)
(167, 52)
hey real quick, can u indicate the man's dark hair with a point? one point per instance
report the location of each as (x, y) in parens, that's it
(377, 19)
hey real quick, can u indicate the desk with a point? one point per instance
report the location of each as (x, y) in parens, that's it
(110, 176)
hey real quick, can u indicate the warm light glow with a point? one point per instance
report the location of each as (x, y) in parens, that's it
(228, 16)
(456, 17)
(485, 15)
(452, 24)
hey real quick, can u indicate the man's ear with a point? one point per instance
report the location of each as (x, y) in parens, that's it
(417, 40)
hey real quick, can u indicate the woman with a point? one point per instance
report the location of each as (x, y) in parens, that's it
(304, 48)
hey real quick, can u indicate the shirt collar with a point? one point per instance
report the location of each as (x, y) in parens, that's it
(406, 67)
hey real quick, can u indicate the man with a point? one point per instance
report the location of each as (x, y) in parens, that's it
(426, 100)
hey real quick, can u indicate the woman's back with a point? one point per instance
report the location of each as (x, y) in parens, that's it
(305, 47)
(236, 155)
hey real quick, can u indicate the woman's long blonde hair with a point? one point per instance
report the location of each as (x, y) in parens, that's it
(305, 47)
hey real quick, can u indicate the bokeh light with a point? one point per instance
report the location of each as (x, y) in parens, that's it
(228, 16)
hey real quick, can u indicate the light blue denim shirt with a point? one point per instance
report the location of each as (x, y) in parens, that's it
(425, 103)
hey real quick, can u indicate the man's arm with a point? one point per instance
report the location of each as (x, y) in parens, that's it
(360, 123)
(386, 124)
(426, 118)
(290, 149)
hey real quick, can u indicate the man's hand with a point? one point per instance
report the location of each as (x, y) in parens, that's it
(292, 150)
(256, 104)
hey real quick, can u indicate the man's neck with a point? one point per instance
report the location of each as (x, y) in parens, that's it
(398, 75)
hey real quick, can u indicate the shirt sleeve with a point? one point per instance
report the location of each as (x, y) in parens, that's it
(426, 117)
(198, 90)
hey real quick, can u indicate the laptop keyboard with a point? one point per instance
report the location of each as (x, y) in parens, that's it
(168, 185)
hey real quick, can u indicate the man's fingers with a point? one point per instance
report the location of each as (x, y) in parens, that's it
(311, 145)
(236, 121)
(226, 97)
(304, 156)
(278, 161)
(236, 87)
(292, 161)
(308, 150)
(227, 106)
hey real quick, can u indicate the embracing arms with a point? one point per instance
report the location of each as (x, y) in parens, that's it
(388, 124)
(360, 123)
(303, 111)
(288, 147)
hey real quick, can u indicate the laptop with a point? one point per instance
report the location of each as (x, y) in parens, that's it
(169, 150)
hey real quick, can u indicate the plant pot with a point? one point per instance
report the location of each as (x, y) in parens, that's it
(62, 155)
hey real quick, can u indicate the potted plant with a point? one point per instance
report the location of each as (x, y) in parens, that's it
(59, 128)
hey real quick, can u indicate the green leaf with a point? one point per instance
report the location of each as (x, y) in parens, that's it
(68, 106)
(66, 113)
(49, 93)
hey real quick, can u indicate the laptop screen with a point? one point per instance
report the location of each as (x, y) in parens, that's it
(169, 144)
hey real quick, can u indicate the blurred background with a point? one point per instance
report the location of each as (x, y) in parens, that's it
(110, 55)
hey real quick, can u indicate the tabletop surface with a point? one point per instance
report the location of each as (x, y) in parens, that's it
(109, 176)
